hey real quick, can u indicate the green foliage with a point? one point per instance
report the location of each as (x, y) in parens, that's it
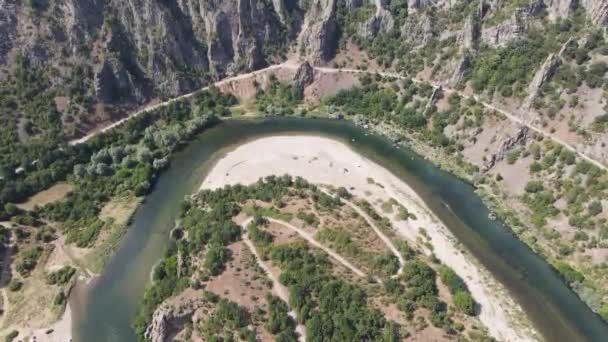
(279, 323)
(309, 218)
(227, 322)
(29, 259)
(126, 161)
(60, 298)
(600, 123)
(62, 276)
(452, 280)
(331, 309)
(569, 273)
(534, 187)
(11, 336)
(210, 228)
(259, 236)
(15, 285)
(464, 302)
(278, 98)
(595, 208)
(513, 155)
(497, 69)
(540, 203)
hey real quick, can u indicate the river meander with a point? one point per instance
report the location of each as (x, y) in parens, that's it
(103, 311)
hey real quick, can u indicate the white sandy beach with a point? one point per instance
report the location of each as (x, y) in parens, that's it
(326, 161)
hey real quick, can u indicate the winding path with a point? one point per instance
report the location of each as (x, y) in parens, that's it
(280, 290)
(380, 234)
(293, 65)
(315, 243)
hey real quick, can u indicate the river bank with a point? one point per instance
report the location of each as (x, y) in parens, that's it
(326, 161)
(114, 297)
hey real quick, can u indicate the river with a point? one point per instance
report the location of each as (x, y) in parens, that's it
(103, 311)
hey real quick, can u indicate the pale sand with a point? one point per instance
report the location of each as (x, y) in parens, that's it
(61, 330)
(325, 161)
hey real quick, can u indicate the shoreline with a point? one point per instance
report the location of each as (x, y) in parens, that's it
(338, 165)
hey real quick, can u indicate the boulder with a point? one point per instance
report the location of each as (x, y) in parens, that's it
(305, 75)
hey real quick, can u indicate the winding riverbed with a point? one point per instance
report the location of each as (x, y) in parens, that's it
(103, 311)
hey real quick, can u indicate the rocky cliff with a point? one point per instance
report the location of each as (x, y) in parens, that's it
(132, 51)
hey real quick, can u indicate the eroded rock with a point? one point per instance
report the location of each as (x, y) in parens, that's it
(168, 319)
(319, 37)
(546, 71)
(512, 28)
(519, 138)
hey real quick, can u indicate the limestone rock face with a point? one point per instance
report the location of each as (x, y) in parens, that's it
(168, 319)
(382, 21)
(173, 45)
(541, 77)
(113, 82)
(319, 36)
(561, 8)
(512, 28)
(305, 75)
(353, 4)
(417, 30)
(471, 32)
(597, 11)
(463, 65)
(303, 78)
(415, 4)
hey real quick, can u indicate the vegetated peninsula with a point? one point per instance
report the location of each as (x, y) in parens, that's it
(342, 227)
(96, 96)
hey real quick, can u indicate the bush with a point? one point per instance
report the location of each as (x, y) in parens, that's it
(11, 336)
(61, 276)
(534, 187)
(513, 155)
(464, 302)
(15, 285)
(569, 273)
(595, 208)
(452, 280)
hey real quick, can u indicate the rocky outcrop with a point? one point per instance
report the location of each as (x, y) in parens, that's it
(415, 4)
(597, 11)
(512, 28)
(463, 65)
(82, 20)
(305, 75)
(418, 29)
(382, 21)
(471, 33)
(319, 36)
(168, 319)
(541, 77)
(561, 8)
(8, 25)
(176, 46)
(112, 82)
(353, 4)
(519, 138)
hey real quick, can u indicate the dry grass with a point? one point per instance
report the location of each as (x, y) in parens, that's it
(55, 193)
